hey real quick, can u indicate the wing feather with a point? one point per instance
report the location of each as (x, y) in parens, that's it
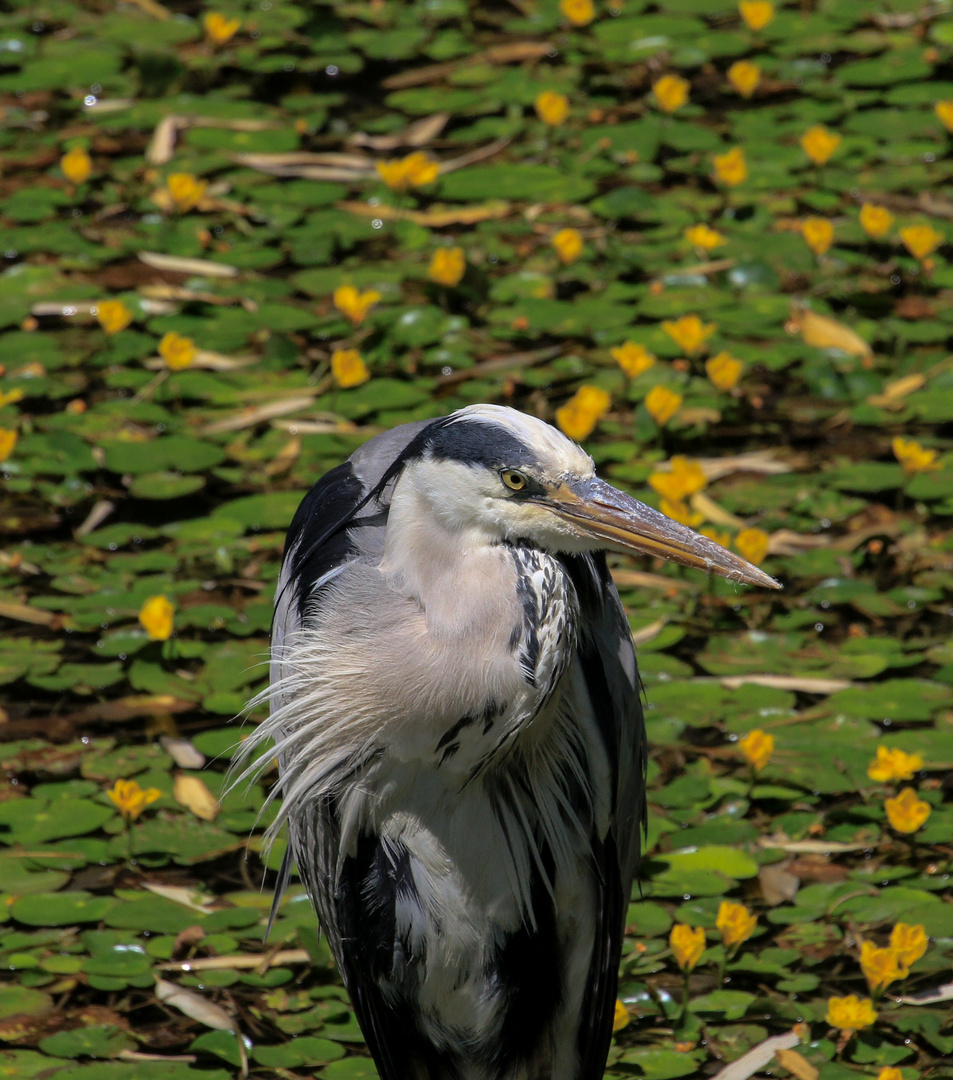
(607, 658)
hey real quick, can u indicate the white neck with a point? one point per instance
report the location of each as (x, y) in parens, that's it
(445, 560)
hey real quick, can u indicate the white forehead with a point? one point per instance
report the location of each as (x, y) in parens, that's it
(549, 444)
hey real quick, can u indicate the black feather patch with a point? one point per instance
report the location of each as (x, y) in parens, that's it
(379, 969)
(526, 973)
(318, 540)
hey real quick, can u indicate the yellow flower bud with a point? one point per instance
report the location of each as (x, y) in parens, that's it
(76, 165)
(687, 943)
(735, 922)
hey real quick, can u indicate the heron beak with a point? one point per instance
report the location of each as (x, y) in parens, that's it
(622, 523)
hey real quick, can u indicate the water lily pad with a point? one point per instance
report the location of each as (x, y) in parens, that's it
(61, 909)
(23, 1001)
(98, 1041)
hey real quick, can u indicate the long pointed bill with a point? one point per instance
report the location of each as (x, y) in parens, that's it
(625, 524)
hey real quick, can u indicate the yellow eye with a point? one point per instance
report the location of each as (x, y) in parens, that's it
(514, 480)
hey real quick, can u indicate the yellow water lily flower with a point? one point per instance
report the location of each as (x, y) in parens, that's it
(415, 170)
(671, 92)
(552, 108)
(687, 943)
(944, 112)
(704, 237)
(921, 240)
(685, 478)
(892, 763)
(348, 368)
(662, 404)
(578, 12)
(352, 303)
(744, 76)
(818, 233)
(735, 923)
(913, 457)
(753, 544)
(757, 747)
(908, 942)
(157, 616)
(689, 332)
(76, 165)
(185, 191)
(756, 13)
(906, 813)
(447, 266)
(875, 220)
(130, 799)
(880, 967)
(568, 245)
(579, 416)
(850, 1013)
(113, 316)
(634, 359)
(177, 351)
(8, 441)
(820, 144)
(219, 29)
(731, 168)
(724, 371)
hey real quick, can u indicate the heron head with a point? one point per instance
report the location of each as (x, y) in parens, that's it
(508, 476)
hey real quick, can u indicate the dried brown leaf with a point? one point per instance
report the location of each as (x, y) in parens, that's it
(194, 795)
(796, 1064)
(823, 332)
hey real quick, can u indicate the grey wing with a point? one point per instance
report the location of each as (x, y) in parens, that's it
(607, 659)
(342, 519)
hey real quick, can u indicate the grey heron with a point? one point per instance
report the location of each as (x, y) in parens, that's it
(456, 708)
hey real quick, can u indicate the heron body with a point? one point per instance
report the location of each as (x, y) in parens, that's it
(455, 702)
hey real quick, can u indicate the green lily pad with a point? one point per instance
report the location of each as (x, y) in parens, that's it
(61, 909)
(23, 1001)
(98, 1041)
